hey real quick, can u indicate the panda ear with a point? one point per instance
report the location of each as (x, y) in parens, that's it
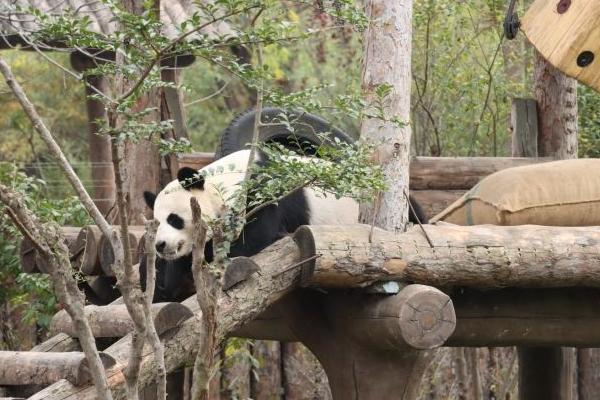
(150, 199)
(190, 178)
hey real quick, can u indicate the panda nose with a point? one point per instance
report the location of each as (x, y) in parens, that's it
(160, 246)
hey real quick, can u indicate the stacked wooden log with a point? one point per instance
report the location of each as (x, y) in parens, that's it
(91, 255)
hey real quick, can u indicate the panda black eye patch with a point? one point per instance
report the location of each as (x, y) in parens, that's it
(175, 221)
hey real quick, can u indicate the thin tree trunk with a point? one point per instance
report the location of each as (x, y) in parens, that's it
(556, 95)
(387, 61)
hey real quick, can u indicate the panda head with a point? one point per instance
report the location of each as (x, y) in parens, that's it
(172, 209)
(211, 186)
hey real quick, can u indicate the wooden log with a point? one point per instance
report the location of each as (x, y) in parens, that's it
(435, 201)
(106, 255)
(506, 317)
(460, 173)
(235, 370)
(238, 305)
(419, 316)
(527, 317)
(426, 173)
(30, 262)
(483, 256)
(86, 249)
(100, 155)
(58, 343)
(41, 368)
(115, 321)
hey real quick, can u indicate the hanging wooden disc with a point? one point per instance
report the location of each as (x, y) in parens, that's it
(567, 34)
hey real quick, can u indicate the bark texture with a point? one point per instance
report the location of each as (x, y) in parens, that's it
(484, 256)
(115, 321)
(36, 368)
(387, 61)
(556, 95)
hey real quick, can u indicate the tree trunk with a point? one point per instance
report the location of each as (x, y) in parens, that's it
(100, 155)
(387, 61)
(556, 95)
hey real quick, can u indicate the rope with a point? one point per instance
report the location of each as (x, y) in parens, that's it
(511, 21)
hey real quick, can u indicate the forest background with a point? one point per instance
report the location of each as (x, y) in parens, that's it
(464, 77)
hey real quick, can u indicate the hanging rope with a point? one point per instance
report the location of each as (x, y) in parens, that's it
(511, 21)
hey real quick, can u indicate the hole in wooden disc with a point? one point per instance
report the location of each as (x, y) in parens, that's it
(563, 6)
(585, 58)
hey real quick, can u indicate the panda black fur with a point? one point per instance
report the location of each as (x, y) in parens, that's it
(174, 280)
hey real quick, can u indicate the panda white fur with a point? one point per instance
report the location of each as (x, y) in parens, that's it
(213, 188)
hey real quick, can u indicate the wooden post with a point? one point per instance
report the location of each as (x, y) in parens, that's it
(363, 341)
(171, 108)
(103, 175)
(524, 127)
(546, 373)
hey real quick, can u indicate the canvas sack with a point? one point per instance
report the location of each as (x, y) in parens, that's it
(557, 193)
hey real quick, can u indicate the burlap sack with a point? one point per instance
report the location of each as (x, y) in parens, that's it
(559, 193)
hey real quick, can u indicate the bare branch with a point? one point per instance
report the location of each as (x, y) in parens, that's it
(151, 332)
(56, 254)
(207, 290)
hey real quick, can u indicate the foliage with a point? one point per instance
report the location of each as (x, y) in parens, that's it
(60, 101)
(464, 75)
(589, 122)
(31, 294)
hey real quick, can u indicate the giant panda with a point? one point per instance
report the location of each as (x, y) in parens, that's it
(213, 186)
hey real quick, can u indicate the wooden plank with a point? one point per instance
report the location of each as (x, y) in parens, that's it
(524, 127)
